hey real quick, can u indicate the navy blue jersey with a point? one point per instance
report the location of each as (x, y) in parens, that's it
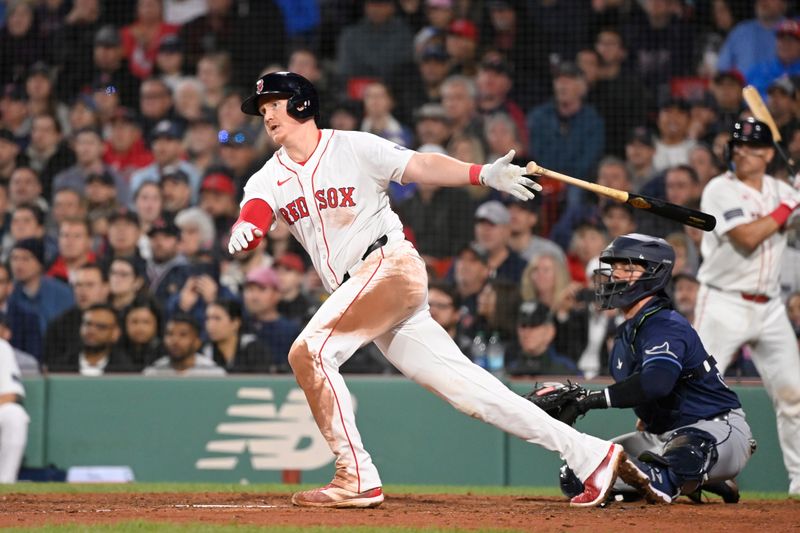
(660, 335)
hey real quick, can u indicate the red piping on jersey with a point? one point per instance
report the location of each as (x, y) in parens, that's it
(322, 366)
(303, 163)
(286, 167)
(324, 238)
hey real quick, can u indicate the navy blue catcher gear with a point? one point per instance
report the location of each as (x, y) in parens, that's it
(689, 454)
(654, 254)
(570, 485)
(303, 100)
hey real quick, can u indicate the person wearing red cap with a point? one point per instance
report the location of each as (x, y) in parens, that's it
(218, 199)
(462, 46)
(291, 273)
(784, 62)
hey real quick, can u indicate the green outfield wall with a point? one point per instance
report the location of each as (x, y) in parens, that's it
(260, 430)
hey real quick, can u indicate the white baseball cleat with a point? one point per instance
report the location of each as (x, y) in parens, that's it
(332, 496)
(598, 485)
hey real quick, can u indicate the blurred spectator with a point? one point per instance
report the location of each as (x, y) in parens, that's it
(169, 65)
(200, 288)
(74, 249)
(781, 103)
(703, 117)
(661, 47)
(704, 163)
(753, 40)
(432, 125)
(421, 82)
(723, 16)
(9, 154)
(6, 240)
(167, 268)
(687, 257)
(41, 94)
(125, 149)
(124, 233)
(727, 90)
(148, 204)
(460, 101)
(496, 312)
(673, 143)
(28, 364)
(228, 345)
(611, 172)
(67, 204)
(684, 294)
(63, 336)
(567, 135)
(35, 292)
(83, 113)
(618, 219)
(20, 43)
(111, 70)
(127, 278)
(167, 151)
(197, 232)
(618, 96)
(462, 47)
(141, 335)
(214, 73)
(176, 191)
(261, 298)
(374, 46)
(682, 188)
(294, 304)
(189, 94)
(586, 243)
(378, 118)
(156, 106)
(202, 144)
(89, 148)
(226, 27)
(74, 47)
(471, 149)
(493, 233)
(48, 153)
(141, 39)
(494, 83)
(235, 273)
(182, 343)
(27, 221)
(536, 353)
(502, 135)
(229, 114)
(524, 218)
(24, 187)
(471, 273)
(218, 199)
(14, 115)
(445, 308)
(237, 149)
(437, 215)
(785, 61)
(101, 194)
(24, 333)
(346, 116)
(98, 355)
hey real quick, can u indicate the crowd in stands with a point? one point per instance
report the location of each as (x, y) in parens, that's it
(123, 154)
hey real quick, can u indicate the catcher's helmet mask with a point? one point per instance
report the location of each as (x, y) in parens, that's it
(654, 254)
(303, 100)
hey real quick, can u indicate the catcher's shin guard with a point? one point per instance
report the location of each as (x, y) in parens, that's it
(688, 456)
(570, 485)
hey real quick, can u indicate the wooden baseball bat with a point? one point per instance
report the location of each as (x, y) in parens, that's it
(761, 112)
(684, 215)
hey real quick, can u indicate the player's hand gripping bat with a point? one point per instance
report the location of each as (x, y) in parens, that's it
(684, 215)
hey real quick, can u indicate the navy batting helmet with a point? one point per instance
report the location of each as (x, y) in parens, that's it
(303, 99)
(750, 132)
(654, 254)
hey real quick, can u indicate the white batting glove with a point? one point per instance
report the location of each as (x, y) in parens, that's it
(242, 234)
(504, 176)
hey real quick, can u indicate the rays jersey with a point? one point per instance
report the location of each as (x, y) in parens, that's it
(660, 334)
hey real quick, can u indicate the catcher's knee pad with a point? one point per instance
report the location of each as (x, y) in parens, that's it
(689, 453)
(571, 486)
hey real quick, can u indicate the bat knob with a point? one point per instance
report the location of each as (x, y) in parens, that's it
(532, 168)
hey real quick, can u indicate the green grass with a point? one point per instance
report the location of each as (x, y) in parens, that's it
(140, 526)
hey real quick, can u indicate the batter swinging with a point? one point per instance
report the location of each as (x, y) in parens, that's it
(330, 188)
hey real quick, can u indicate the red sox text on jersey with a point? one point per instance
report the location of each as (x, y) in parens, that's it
(331, 197)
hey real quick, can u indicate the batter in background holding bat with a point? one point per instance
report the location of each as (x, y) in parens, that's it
(691, 429)
(739, 297)
(330, 187)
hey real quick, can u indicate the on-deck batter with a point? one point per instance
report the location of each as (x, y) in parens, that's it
(330, 188)
(739, 298)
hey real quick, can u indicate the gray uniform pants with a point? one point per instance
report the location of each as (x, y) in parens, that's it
(733, 444)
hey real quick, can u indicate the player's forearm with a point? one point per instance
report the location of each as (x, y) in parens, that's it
(748, 237)
(441, 170)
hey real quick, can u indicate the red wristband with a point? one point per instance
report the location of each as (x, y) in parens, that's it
(475, 174)
(781, 214)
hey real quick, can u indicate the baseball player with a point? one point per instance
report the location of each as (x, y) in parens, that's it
(330, 187)
(691, 428)
(13, 418)
(738, 301)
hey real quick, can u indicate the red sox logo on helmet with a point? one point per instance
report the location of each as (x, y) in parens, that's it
(747, 128)
(259, 86)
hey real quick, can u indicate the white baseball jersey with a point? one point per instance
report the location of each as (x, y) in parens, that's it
(329, 202)
(10, 375)
(733, 203)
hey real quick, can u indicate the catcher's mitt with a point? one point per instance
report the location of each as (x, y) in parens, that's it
(558, 400)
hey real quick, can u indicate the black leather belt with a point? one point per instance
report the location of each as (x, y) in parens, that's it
(379, 242)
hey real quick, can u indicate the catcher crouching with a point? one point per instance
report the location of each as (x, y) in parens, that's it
(691, 434)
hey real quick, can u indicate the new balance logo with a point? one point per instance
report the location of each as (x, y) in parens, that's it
(272, 438)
